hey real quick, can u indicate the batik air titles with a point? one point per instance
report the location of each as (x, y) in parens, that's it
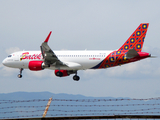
(69, 62)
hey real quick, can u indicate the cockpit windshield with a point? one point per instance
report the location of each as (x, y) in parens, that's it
(10, 56)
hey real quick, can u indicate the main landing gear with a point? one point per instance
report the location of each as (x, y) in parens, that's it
(76, 77)
(20, 75)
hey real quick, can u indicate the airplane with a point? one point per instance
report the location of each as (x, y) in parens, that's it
(69, 62)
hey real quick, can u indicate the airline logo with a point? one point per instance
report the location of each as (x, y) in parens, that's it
(26, 55)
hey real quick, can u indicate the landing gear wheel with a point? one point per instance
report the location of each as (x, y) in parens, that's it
(19, 75)
(76, 78)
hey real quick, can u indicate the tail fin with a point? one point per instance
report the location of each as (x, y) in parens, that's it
(135, 41)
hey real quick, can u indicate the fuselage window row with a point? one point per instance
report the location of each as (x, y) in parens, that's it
(81, 55)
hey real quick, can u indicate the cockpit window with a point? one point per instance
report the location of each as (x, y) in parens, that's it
(10, 56)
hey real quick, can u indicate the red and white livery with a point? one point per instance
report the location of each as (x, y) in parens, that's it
(69, 62)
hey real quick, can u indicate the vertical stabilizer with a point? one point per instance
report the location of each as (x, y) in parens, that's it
(136, 40)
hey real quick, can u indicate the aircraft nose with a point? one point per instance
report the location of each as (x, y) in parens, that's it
(4, 62)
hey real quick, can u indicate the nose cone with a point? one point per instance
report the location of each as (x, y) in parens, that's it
(4, 62)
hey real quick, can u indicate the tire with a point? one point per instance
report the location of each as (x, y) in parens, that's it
(76, 78)
(19, 76)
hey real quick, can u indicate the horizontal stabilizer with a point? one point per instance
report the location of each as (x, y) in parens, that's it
(131, 53)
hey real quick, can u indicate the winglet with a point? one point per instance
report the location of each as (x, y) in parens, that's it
(48, 37)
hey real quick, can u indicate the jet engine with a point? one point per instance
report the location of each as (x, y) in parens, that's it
(63, 73)
(37, 65)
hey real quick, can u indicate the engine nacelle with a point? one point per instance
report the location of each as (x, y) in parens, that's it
(63, 73)
(35, 65)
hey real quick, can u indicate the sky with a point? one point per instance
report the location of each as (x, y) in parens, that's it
(80, 25)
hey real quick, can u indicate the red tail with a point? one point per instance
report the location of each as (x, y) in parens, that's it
(135, 41)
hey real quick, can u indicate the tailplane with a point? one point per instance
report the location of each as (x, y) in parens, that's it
(136, 40)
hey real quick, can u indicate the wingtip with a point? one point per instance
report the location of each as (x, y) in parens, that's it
(48, 36)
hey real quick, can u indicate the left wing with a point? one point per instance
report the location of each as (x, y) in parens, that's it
(48, 55)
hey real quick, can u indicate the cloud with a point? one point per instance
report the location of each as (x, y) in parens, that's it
(12, 49)
(40, 74)
(140, 69)
(6, 71)
(154, 51)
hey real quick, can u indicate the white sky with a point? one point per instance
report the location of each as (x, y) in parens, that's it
(79, 25)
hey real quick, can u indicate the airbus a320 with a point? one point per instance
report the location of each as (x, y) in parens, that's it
(69, 62)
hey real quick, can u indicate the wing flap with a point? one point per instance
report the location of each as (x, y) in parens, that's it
(73, 65)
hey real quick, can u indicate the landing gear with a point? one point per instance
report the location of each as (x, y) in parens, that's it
(20, 75)
(76, 77)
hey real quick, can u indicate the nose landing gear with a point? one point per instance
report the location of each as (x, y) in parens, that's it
(20, 75)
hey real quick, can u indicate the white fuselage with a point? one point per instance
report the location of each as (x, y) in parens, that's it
(75, 60)
(69, 62)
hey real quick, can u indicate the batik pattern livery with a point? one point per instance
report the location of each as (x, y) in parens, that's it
(135, 41)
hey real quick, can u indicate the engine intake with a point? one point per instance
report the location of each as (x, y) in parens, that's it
(63, 73)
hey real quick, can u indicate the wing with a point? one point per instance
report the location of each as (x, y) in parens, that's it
(48, 55)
